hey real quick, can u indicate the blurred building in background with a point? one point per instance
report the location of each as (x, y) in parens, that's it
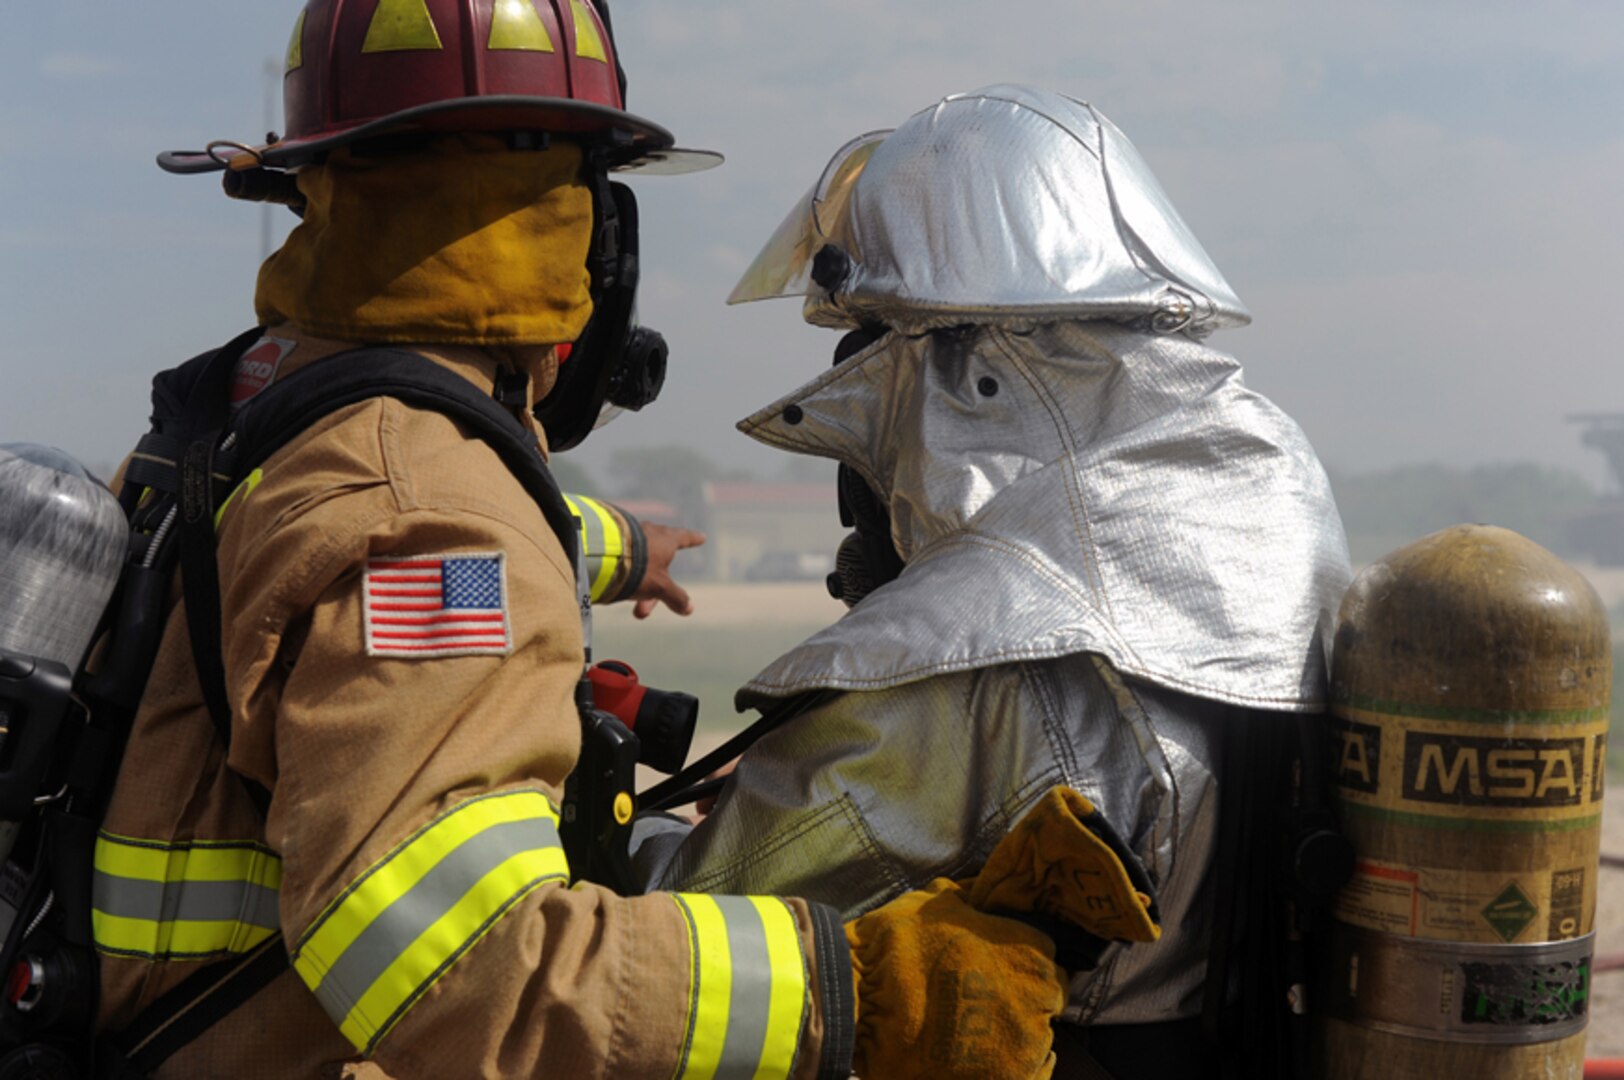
(771, 531)
(650, 510)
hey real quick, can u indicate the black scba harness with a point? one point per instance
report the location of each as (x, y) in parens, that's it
(60, 765)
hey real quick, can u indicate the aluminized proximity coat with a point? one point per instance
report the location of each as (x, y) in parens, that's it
(1122, 545)
(872, 794)
(1112, 545)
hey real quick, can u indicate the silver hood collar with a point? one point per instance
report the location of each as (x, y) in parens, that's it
(1120, 493)
(1051, 214)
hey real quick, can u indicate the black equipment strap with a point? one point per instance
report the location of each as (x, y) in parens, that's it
(1251, 962)
(274, 418)
(690, 785)
(222, 450)
(202, 1000)
(202, 423)
(289, 406)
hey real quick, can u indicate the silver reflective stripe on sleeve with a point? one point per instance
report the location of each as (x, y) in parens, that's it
(190, 901)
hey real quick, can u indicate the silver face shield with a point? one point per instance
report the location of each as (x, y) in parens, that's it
(1010, 206)
(1082, 487)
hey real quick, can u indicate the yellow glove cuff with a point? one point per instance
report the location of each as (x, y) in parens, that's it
(1062, 859)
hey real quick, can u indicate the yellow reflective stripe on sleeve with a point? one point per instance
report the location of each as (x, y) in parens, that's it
(159, 900)
(787, 1005)
(244, 489)
(714, 991)
(589, 532)
(187, 939)
(400, 926)
(123, 856)
(747, 989)
(602, 543)
(608, 556)
(453, 934)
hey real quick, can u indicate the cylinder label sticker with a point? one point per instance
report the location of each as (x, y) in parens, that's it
(1524, 995)
(1510, 912)
(1482, 994)
(1567, 905)
(1489, 906)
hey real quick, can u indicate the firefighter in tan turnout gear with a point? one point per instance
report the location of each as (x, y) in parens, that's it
(401, 643)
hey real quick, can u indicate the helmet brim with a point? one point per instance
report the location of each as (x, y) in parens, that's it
(634, 144)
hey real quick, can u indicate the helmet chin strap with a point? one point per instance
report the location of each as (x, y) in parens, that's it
(866, 558)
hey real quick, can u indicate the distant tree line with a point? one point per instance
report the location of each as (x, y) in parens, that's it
(676, 475)
(1385, 510)
(1381, 510)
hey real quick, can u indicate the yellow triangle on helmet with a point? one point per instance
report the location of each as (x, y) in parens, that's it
(399, 25)
(588, 43)
(515, 24)
(296, 46)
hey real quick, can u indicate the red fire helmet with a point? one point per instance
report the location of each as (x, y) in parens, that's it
(357, 69)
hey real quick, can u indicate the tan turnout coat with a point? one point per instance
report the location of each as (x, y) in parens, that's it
(364, 753)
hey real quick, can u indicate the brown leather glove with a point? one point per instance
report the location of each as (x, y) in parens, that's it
(947, 992)
(1064, 860)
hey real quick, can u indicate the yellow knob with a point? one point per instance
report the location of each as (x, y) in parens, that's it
(624, 808)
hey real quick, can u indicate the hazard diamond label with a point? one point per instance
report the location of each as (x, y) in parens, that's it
(1510, 912)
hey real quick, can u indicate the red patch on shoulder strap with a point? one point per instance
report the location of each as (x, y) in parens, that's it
(258, 367)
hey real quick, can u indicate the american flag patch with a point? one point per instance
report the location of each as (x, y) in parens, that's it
(438, 605)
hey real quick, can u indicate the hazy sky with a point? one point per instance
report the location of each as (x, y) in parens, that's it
(1420, 202)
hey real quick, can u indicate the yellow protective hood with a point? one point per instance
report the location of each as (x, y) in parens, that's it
(464, 242)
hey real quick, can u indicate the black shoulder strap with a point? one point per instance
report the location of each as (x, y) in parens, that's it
(211, 456)
(200, 1001)
(274, 418)
(199, 429)
(291, 405)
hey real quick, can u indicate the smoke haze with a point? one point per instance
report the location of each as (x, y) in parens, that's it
(1416, 200)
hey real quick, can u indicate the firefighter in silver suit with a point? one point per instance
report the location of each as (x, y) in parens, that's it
(1083, 545)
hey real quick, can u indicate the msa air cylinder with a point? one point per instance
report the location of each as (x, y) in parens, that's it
(1470, 688)
(62, 544)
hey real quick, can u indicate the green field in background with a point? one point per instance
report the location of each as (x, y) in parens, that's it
(710, 663)
(1615, 733)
